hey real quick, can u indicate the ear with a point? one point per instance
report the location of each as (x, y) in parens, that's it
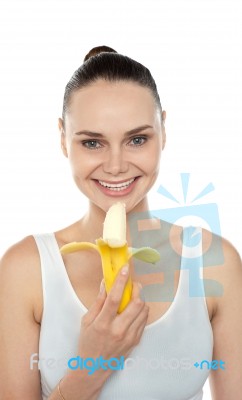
(63, 137)
(163, 129)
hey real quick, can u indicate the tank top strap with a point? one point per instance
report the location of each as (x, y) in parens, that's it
(51, 261)
(192, 292)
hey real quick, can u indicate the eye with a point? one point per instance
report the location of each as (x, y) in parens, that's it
(91, 144)
(138, 140)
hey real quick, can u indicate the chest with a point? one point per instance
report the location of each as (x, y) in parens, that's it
(159, 288)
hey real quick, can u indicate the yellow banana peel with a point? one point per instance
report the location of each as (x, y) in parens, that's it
(114, 250)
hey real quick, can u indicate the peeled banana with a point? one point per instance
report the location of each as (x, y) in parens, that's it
(114, 250)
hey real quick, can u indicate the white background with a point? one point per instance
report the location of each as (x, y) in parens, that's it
(193, 49)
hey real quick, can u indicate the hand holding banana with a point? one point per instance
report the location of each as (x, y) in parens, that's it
(114, 250)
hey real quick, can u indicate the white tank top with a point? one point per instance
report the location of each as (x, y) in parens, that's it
(161, 367)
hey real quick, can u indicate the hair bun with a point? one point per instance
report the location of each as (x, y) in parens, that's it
(97, 50)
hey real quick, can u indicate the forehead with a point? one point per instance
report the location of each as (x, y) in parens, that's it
(105, 104)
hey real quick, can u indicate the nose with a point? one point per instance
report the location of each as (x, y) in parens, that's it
(115, 162)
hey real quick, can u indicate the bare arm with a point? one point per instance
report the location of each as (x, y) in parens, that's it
(19, 331)
(227, 328)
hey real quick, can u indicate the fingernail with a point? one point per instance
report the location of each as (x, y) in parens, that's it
(140, 286)
(102, 286)
(125, 270)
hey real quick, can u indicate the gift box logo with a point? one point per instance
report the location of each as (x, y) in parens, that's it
(154, 229)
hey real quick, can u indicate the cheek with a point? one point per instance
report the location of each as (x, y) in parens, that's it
(81, 163)
(151, 160)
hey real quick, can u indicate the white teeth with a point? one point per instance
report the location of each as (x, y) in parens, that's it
(117, 186)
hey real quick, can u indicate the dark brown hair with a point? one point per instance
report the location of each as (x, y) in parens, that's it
(103, 62)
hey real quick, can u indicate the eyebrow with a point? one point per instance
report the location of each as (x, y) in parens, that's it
(96, 134)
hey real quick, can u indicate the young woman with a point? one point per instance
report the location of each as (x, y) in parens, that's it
(54, 309)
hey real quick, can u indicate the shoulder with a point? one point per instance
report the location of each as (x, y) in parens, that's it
(223, 254)
(223, 268)
(21, 256)
(20, 272)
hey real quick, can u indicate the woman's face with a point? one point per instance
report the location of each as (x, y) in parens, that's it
(113, 139)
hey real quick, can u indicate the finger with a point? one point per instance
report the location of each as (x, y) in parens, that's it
(97, 306)
(131, 313)
(114, 297)
(139, 325)
(136, 290)
(129, 326)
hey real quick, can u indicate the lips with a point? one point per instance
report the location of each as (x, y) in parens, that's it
(117, 186)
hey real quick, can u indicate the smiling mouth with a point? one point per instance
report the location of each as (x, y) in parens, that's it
(117, 187)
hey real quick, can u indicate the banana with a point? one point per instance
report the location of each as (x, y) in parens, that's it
(114, 250)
